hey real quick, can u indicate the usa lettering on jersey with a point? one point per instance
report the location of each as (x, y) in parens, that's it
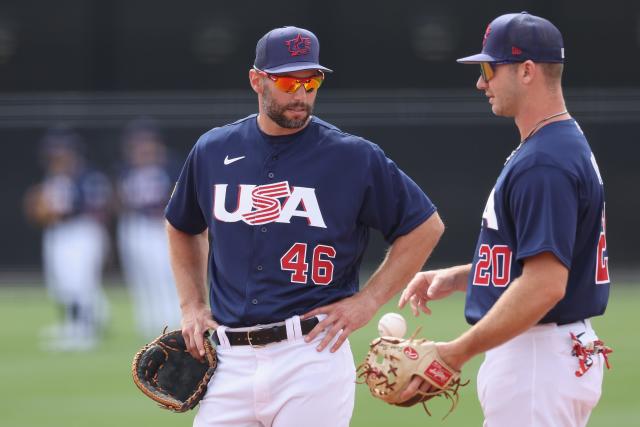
(262, 204)
(489, 217)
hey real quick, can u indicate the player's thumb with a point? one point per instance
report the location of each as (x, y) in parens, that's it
(211, 324)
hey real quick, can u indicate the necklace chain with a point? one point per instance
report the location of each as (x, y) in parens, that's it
(532, 131)
(542, 121)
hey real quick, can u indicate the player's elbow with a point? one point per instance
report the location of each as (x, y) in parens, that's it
(439, 226)
(434, 227)
(428, 234)
(550, 297)
(556, 291)
(549, 275)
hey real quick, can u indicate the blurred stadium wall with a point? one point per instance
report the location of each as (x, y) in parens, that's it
(96, 64)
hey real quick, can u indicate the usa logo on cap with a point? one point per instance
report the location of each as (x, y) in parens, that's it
(299, 46)
(288, 49)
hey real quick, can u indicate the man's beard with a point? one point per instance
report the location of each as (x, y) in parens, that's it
(276, 111)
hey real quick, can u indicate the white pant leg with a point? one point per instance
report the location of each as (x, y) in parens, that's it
(530, 381)
(131, 249)
(50, 270)
(74, 253)
(229, 400)
(311, 388)
(166, 310)
(280, 385)
(144, 256)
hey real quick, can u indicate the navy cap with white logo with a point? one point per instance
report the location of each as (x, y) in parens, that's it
(517, 37)
(288, 49)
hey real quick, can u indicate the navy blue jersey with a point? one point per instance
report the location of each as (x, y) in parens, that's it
(289, 216)
(145, 190)
(86, 193)
(549, 197)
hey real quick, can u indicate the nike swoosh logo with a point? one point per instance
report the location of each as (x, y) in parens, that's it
(228, 161)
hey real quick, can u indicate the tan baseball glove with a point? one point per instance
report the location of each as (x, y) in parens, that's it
(166, 372)
(392, 362)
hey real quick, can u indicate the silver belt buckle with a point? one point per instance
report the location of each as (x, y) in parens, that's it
(249, 338)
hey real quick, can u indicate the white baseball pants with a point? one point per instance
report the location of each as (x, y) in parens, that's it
(284, 384)
(530, 380)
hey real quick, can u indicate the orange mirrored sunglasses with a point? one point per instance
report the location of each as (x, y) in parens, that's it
(487, 71)
(292, 84)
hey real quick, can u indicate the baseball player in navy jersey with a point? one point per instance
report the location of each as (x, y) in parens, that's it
(280, 205)
(71, 204)
(540, 267)
(144, 185)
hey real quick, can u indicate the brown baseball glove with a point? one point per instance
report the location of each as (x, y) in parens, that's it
(166, 372)
(392, 362)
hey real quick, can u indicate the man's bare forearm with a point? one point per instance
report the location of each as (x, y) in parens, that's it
(189, 255)
(460, 276)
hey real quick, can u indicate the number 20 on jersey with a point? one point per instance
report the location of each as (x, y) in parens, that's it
(493, 266)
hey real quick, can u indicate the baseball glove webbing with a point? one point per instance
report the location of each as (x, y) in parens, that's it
(166, 372)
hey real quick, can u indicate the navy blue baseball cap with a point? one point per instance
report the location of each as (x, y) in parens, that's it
(518, 37)
(287, 49)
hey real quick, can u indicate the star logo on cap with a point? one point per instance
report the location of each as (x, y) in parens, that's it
(486, 35)
(299, 45)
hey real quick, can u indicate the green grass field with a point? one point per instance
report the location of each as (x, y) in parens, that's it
(95, 388)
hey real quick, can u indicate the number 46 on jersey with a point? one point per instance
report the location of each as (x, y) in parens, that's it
(295, 260)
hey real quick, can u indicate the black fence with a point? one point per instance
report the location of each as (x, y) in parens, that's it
(446, 140)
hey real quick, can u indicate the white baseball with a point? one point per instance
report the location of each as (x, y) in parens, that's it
(392, 325)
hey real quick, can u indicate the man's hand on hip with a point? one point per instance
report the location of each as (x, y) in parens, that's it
(343, 317)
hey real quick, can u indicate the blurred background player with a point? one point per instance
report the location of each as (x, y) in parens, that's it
(71, 205)
(144, 187)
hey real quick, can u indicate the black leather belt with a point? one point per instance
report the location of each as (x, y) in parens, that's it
(264, 336)
(566, 322)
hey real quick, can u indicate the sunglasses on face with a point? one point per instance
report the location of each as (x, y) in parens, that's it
(292, 84)
(487, 71)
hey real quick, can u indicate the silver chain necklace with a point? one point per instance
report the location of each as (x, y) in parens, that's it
(531, 133)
